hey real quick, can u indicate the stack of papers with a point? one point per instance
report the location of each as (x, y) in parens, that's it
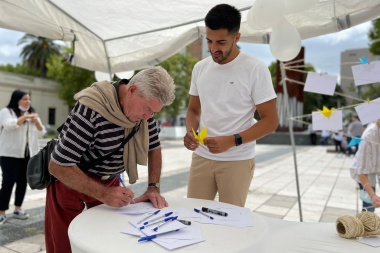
(157, 226)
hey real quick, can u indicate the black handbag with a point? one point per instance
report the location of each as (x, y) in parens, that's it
(37, 173)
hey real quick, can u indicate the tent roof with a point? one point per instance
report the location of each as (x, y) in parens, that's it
(115, 36)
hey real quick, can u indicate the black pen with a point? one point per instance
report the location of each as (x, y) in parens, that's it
(209, 210)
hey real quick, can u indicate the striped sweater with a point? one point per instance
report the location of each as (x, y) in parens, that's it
(86, 133)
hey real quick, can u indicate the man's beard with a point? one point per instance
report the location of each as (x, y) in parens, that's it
(223, 56)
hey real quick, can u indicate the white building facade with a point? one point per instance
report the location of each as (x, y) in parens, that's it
(44, 97)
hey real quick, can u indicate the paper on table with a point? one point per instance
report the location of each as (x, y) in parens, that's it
(321, 122)
(138, 208)
(368, 112)
(177, 239)
(373, 241)
(237, 217)
(133, 231)
(320, 83)
(180, 212)
(366, 73)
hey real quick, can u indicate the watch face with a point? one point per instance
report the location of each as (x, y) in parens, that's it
(157, 185)
(238, 140)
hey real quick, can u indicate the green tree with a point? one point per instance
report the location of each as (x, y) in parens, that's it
(71, 78)
(179, 66)
(37, 51)
(374, 37)
(22, 68)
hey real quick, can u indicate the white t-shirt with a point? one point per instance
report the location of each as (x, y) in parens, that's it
(228, 95)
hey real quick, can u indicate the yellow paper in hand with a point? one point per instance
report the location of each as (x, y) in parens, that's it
(201, 136)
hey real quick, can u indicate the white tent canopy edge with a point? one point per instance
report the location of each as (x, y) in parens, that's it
(117, 36)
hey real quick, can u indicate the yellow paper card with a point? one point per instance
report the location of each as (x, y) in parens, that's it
(326, 111)
(201, 136)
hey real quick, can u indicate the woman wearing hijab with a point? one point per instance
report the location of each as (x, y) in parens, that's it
(21, 128)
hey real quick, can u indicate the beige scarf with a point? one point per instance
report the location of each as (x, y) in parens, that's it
(102, 98)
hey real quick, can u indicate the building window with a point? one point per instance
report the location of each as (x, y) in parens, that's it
(51, 120)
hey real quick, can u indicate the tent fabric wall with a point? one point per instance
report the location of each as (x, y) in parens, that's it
(114, 36)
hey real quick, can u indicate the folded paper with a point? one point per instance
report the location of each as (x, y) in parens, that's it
(201, 136)
(354, 141)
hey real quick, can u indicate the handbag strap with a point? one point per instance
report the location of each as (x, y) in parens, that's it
(131, 134)
(102, 158)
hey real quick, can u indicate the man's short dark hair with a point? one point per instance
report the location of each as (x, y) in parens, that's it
(224, 16)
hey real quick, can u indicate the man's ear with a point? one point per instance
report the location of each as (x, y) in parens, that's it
(132, 88)
(237, 37)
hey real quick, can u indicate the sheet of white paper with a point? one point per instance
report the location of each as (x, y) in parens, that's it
(237, 217)
(167, 227)
(373, 241)
(366, 73)
(146, 219)
(368, 112)
(138, 208)
(167, 240)
(320, 83)
(133, 231)
(321, 122)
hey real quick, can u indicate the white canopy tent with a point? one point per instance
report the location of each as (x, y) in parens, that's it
(114, 36)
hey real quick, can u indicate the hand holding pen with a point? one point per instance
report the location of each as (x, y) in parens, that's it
(122, 183)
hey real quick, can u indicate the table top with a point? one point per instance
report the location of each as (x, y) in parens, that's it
(98, 230)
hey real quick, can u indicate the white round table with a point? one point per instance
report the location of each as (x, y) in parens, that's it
(98, 230)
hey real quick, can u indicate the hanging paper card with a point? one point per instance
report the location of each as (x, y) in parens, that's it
(322, 122)
(320, 83)
(368, 112)
(366, 73)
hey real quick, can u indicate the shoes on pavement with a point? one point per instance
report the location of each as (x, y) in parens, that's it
(20, 214)
(3, 218)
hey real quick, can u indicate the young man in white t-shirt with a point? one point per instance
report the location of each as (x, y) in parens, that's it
(226, 89)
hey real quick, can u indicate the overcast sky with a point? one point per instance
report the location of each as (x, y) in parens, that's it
(323, 52)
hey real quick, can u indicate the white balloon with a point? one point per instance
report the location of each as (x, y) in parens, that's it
(101, 76)
(294, 6)
(125, 74)
(285, 41)
(266, 13)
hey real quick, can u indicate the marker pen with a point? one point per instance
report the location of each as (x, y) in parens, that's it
(209, 210)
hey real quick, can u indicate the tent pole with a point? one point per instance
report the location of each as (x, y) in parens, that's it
(289, 113)
(108, 61)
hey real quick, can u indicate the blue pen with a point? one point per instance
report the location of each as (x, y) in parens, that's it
(164, 220)
(156, 212)
(172, 219)
(199, 211)
(122, 183)
(162, 216)
(151, 237)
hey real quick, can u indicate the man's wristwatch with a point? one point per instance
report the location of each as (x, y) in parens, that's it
(238, 139)
(157, 185)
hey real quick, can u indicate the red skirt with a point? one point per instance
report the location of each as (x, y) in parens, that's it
(63, 204)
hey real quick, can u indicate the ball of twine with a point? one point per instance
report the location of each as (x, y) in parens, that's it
(371, 223)
(349, 227)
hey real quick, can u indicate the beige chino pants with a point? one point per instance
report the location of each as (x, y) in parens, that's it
(231, 179)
